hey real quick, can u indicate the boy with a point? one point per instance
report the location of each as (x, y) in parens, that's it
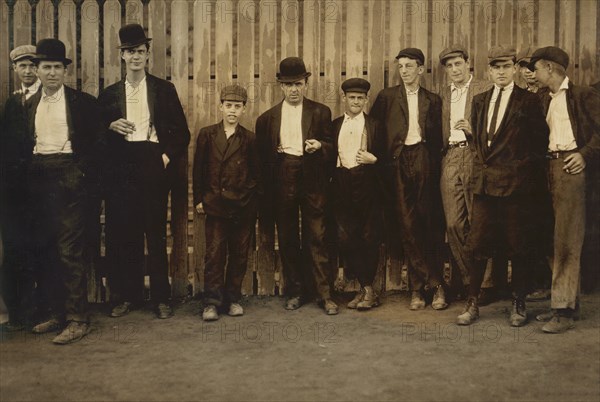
(226, 183)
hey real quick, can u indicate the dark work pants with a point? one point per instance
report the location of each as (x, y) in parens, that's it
(227, 241)
(136, 205)
(290, 198)
(501, 224)
(57, 204)
(413, 206)
(358, 221)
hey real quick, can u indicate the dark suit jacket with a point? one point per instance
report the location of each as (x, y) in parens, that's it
(166, 114)
(509, 165)
(475, 88)
(226, 178)
(86, 135)
(390, 109)
(316, 124)
(375, 140)
(13, 145)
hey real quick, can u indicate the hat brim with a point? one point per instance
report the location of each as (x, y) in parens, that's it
(357, 90)
(293, 78)
(63, 60)
(531, 64)
(29, 56)
(136, 44)
(503, 58)
(451, 55)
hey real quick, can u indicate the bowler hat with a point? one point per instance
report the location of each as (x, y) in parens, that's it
(412, 53)
(551, 53)
(234, 93)
(132, 35)
(51, 50)
(292, 69)
(22, 52)
(453, 51)
(356, 85)
(501, 53)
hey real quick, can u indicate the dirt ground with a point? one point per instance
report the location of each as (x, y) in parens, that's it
(271, 354)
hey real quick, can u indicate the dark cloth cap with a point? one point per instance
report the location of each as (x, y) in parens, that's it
(22, 52)
(292, 69)
(132, 35)
(453, 51)
(234, 93)
(412, 53)
(501, 53)
(524, 56)
(51, 50)
(550, 53)
(356, 85)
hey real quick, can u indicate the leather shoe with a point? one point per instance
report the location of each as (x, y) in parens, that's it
(121, 310)
(293, 303)
(357, 299)
(538, 295)
(330, 307)
(236, 310)
(518, 316)
(210, 313)
(470, 313)
(417, 302)
(164, 311)
(558, 324)
(53, 324)
(439, 299)
(547, 316)
(370, 299)
(74, 332)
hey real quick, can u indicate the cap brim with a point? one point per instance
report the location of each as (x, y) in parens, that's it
(24, 56)
(130, 45)
(359, 90)
(503, 58)
(293, 78)
(531, 64)
(451, 55)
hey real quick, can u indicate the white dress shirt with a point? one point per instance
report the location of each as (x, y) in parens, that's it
(290, 131)
(414, 130)
(29, 91)
(458, 105)
(350, 140)
(561, 131)
(506, 93)
(51, 128)
(138, 112)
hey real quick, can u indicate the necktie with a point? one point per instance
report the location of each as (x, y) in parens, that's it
(24, 97)
(492, 129)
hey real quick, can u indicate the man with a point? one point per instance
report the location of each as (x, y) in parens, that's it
(510, 136)
(574, 145)
(17, 278)
(294, 142)
(147, 133)
(410, 116)
(356, 191)
(63, 148)
(529, 81)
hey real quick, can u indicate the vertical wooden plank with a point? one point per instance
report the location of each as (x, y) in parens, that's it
(134, 12)
(290, 16)
(6, 71)
(333, 56)
(44, 20)
(311, 44)
(546, 23)
(354, 38)
(401, 20)
(567, 34)
(525, 24)
(179, 189)
(435, 75)
(90, 54)
(202, 95)
(112, 55)
(223, 50)
(22, 23)
(376, 33)
(504, 22)
(482, 43)
(157, 30)
(588, 44)
(422, 15)
(67, 33)
(247, 18)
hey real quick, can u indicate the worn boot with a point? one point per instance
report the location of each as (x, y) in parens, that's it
(518, 316)
(470, 313)
(358, 297)
(370, 299)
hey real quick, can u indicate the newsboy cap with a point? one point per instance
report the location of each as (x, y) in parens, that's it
(234, 93)
(132, 35)
(356, 85)
(524, 56)
(453, 51)
(550, 53)
(292, 69)
(501, 53)
(412, 53)
(51, 50)
(22, 52)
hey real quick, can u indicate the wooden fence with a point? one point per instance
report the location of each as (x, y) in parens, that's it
(205, 44)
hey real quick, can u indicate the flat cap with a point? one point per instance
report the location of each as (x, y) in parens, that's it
(412, 53)
(356, 85)
(501, 53)
(551, 53)
(453, 51)
(22, 52)
(524, 56)
(234, 93)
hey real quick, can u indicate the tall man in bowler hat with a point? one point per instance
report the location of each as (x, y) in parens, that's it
(147, 134)
(294, 142)
(63, 146)
(410, 115)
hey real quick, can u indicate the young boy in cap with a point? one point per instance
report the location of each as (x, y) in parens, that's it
(528, 76)
(226, 186)
(356, 193)
(410, 115)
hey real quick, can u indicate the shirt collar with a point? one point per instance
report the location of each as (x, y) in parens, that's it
(563, 86)
(464, 87)
(140, 83)
(358, 118)
(408, 92)
(58, 95)
(32, 88)
(507, 88)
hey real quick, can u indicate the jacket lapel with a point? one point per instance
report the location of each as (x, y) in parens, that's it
(483, 132)
(402, 101)
(423, 102)
(32, 105)
(70, 103)
(122, 99)
(234, 144)
(571, 110)
(152, 95)
(446, 102)
(220, 141)
(276, 126)
(306, 120)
